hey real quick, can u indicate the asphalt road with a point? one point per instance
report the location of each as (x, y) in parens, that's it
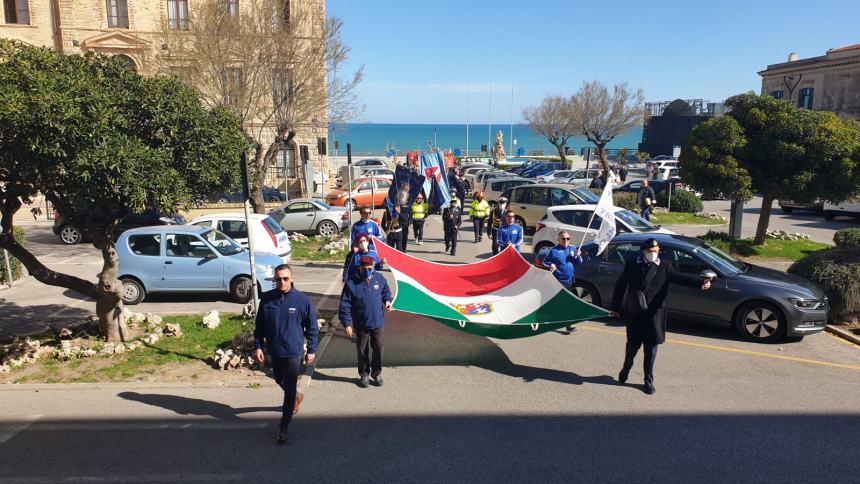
(458, 407)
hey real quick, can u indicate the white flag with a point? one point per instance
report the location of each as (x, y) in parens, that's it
(605, 210)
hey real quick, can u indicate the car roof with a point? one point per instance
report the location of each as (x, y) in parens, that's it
(585, 206)
(230, 216)
(160, 229)
(565, 186)
(670, 239)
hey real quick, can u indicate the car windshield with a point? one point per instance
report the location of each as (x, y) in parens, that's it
(720, 260)
(223, 244)
(586, 195)
(634, 221)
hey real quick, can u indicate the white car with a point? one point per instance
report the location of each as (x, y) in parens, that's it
(494, 187)
(555, 176)
(574, 219)
(580, 178)
(851, 208)
(268, 234)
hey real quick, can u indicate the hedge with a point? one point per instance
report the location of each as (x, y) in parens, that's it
(682, 201)
(621, 199)
(847, 238)
(17, 267)
(837, 272)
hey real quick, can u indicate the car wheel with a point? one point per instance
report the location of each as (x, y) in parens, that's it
(240, 289)
(71, 235)
(520, 221)
(349, 205)
(787, 209)
(829, 215)
(132, 291)
(541, 246)
(327, 228)
(760, 321)
(586, 292)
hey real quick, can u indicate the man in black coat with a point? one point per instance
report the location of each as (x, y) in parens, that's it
(459, 185)
(645, 282)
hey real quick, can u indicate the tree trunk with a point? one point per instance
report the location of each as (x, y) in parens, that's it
(763, 220)
(561, 154)
(601, 154)
(258, 180)
(109, 304)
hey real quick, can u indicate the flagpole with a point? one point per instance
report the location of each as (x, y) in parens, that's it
(467, 119)
(511, 136)
(593, 214)
(490, 120)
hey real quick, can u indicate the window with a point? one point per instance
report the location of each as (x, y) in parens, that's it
(777, 94)
(300, 207)
(16, 11)
(187, 245)
(280, 87)
(684, 262)
(621, 253)
(232, 82)
(538, 196)
(364, 187)
(117, 14)
(562, 197)
(280, 15)
(204, 223)
(147, 244)
(235, 229)
(230, 8)
(804, 100)
(285, 165)
(177, 14)
(382, 184)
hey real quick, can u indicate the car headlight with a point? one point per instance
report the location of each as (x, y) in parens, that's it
(809, 304)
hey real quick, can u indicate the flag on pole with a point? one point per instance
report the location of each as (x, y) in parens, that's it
(605, 210)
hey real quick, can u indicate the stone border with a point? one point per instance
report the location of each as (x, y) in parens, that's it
(841, 333)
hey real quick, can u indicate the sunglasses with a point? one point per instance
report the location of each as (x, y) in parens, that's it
(365, 213)
(564, 238)
(282, 279)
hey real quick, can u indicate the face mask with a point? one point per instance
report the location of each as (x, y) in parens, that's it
(651, 257)
(364, 246)
(368, 273)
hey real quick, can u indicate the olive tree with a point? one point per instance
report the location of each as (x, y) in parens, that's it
(87, 131)
(552, 120)
(601, 115)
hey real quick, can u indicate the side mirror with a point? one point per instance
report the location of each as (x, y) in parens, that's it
(211, 256)
(708, 274)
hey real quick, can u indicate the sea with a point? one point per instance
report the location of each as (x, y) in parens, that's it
(377, 138)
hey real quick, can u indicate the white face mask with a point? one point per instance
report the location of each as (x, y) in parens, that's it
(651, 257)
(364, 246)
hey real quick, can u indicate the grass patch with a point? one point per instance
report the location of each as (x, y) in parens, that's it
(309, 250)
(683, 218)
(791, 250)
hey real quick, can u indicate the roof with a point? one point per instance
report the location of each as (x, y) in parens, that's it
(847, 47)
(639, 237)
(230, 215)
(589, 206)
(160, 229)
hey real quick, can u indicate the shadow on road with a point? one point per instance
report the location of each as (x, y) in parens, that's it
(24, 320)
(193, 406)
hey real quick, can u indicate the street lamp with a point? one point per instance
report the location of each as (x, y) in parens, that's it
(791, 88)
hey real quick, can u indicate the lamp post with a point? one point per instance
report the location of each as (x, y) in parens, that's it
(791, 88)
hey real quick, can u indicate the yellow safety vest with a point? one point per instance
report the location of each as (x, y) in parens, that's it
(479, 209)
(419, 210)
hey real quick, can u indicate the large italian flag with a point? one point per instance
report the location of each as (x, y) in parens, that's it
(502, 297)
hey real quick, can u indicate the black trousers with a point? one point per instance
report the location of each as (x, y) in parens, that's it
(393, 239)
(494, 234)
(286, 372)
(650, 352)
(451, 234)
(478, 226)
(366, 340)
(405, 219)
(418, 228)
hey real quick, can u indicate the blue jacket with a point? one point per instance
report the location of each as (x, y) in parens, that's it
(284, 320)
(564, 259)
(370, 228)
(362, 302)
(512, 233)
(353, 262)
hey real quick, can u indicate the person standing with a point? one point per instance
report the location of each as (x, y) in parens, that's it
(285, 320)
(510, 234)
(419, 214)
(640, 295)
(497, 219)
(622, 173)
(561, 260)
(404, 212)
(393, 230)
(646, 198)
(597, 181)
(360, 248)
(452, 218)
(460, 187)
(362, 301)
(478, 211)
(366, 226)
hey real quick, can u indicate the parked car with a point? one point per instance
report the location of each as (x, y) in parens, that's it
(556, 176)
(309, 215)
(465, 166)
(268, 235)
(496, 186)
(187, 258)
(542, 169)
(762, 304)
(69, 224)
(530, 201)
(789, 206)
(515, 162)
(575, 220)
(580, 178)
(269, 195)
(851, 209)
(365, 191)
(658, 185)
(358, 169)
(470, 173)
(482, 178)
(525, 166)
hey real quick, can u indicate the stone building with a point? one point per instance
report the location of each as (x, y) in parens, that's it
(830, 82)
(134, 31)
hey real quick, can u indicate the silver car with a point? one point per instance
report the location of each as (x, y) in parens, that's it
(309, 215)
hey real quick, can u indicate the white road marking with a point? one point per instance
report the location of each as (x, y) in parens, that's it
(10, 432)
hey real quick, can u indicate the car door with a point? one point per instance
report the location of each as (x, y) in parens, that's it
(531, 203)
(299, 216)
(692, 302)
(190, 264)
(362, 194)
(235, 229)
(610, 267)
(147, 262)
(382, 187)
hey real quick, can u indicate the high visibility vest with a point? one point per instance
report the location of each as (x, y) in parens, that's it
(419, 210)
(479, 209)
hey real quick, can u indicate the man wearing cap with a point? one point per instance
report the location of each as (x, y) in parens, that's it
(497, 219)
(362, 303)
(640, 295)
(452, 218)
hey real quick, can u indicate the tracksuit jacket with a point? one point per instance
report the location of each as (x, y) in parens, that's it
(284, 320)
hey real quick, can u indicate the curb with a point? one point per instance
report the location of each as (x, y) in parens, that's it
(841, 333)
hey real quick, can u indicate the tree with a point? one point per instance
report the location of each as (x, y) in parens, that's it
(552, 120)
(769, 146)
(601, 116)
(89, 129)
(266, 63)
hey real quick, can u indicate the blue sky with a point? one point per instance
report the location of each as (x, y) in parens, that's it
(420, 56)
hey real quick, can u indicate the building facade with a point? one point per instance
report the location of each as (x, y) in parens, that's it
(669, 123)
(133, 30)
(830, 82)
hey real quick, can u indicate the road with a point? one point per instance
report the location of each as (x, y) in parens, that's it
(458, 407)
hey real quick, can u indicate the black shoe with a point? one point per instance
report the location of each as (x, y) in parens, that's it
(453, 253)
(649, 388)
(622, 376)
(377, 380)
(363, 382)
(282, 437)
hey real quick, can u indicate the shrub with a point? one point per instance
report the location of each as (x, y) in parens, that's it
(682, 201)
(621, 199)
(847, 238)
(17, 267)
(837, 272)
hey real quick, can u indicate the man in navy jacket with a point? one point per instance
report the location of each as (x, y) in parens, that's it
(285, 319)
(363, 302)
